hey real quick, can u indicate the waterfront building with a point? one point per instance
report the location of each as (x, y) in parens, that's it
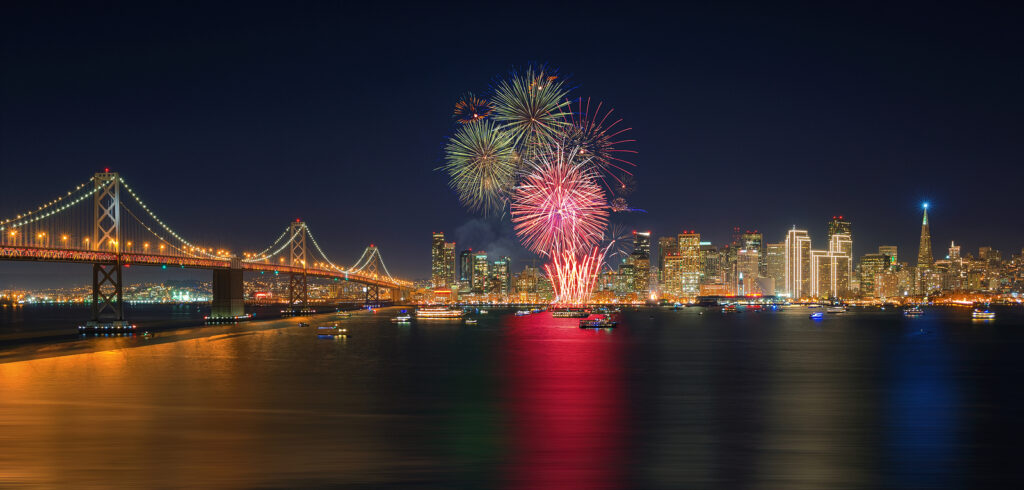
(798, 263)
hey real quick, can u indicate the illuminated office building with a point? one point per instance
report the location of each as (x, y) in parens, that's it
(690, 254)
(666, 245)
(831, 269)
(466, 268)
(747, 271)
(754, 240)
(672, 275)
(798, 264)
(442, 262)
(891, 252)
(871, 265)
(641, 262)
(775, 265)
(502, 278)
(710, 264)
(925, 259)
(480, 272)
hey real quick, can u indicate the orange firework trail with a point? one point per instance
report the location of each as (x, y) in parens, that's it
(574, 276)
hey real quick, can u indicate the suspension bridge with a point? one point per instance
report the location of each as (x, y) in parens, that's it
(104, 222)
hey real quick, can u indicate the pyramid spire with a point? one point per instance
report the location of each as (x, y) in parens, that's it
(925, 260)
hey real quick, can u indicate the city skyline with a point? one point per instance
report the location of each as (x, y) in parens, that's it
(898, 133)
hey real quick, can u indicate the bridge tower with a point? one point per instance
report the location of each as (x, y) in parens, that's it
(107, 299)
(298, 290)
(371, 268)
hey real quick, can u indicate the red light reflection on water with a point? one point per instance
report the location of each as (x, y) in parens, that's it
(565, 404)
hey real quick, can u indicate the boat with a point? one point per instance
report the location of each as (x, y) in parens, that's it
(835, 309)
(599, 322)
(569, 313)
(522, 312)
(344, 314)
(729, 309)
(471, 321)
(327, 327)
(817, 315)
(983, 313)
(438, 312)
(303, 324)
(403, 317)
(814, 306)
(484, 312)
(913, 311)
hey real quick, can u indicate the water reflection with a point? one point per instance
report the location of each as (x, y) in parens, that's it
(565, 401)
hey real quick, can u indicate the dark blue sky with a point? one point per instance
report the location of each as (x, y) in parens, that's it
(233, 120)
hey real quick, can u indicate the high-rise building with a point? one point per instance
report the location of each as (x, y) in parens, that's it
(831, 270)
(754, 240)
(666, 245)
(841, 240)
(442, 262)
(500, 271)
(641, 262)
(480, 272)
(798, 263)
(747, 271)
(672, 275)
(925, 259)
(838, 226)
(775, 265)
(710, 263)
(692, 265)
(870, 266)
(954, 251)
(466, 268)
(891, 252)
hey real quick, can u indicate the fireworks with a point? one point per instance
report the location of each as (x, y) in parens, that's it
(599, 137)
(573, 276)
(480, 161)
(557, 165)
(532, 108)
(559, 206)
(471, 108)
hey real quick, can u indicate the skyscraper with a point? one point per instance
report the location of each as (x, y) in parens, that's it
(798, 263)
(754, 240)
(691, 265)
(775, 258)
(666, 245)
(442, 262)
(925, 259)
(840, 240)
(466, 268)
(450, 275)
(641, 262)
(480, 271)
(502, 278)
(891, 252)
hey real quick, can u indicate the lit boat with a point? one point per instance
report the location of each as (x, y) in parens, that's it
(403, 317)
(913, 311)
(729, 309)
(438, 312)
(817, 315)
(522, 312)
(835, 309)
(344, 314)
(599, 322)
(303, 324)
(983, 314)
(569, 313)
(471, 321)
(814, 306)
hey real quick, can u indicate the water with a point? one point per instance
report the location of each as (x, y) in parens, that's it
(670, 399)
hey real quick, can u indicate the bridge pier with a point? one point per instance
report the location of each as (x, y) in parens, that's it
(228, 293)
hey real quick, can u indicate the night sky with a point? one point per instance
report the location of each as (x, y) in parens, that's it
(231, 121)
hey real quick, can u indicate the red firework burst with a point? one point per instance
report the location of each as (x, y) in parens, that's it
(559, 206)
(600, 137)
